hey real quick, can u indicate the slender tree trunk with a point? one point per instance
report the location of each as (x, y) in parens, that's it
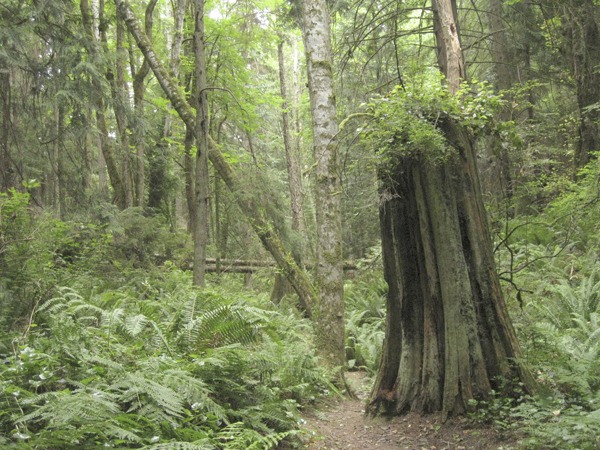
(449, 49)
(281, 287)
(188, 172)
(100, 108)
(201, 193)
(501, 178)
(116, 80)
(56, 188)
(583, 37)
(291, 153)
(448, 334)
(263, 225)
(330, 281)
(157, 155)
(50, 185)
(139, 90)
(296, 75)
(6, 165)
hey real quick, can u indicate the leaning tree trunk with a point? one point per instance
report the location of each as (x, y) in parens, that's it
(448, 337)
(263, 225)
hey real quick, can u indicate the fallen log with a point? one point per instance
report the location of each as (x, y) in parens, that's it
(214, 265)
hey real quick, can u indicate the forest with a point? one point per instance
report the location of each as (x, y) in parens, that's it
(216, 214)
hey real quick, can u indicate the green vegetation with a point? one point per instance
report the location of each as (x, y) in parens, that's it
(551, 262)
(104, 342)
(405, 122)
(128, 355)
(107, 343)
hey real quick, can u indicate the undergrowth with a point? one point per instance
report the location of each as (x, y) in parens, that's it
(552, 266)
(182, 369)
(365, 321)
(118, 353)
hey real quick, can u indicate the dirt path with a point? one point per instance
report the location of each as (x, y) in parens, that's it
(342, 424)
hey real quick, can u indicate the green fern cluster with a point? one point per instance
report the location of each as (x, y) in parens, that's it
(169, 369)
(365, 321)
(549, 261)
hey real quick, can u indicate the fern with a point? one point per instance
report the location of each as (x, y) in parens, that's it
(204, 444)
(148, 397)
(223, 325)
(365, 314)
(134, 325)
(69, 417)
(173, 371)
(237, 437)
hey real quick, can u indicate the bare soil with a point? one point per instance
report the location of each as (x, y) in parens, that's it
(342, 424)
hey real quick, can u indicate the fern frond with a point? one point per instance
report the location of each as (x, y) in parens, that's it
(62, 302)
(194, 391)
(96, 359)
(134, 325)
(178, 445)
(148, 397)
(238, 437)
(65, 408)
(112, 317)
(271, 440)
(223, 325)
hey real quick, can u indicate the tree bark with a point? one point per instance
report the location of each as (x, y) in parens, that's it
(329, 315)
(157, 155)
(100, 108)
(449, 51)
(262, 224)
(280, 286)
(201, 195)
(6, 166)
(291, 153)
(448, 336)
(188, 175)
(139, 89)
(116, 80)
(500, 181)
(583, 37)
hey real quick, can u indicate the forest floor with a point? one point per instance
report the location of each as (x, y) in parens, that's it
(341, 424)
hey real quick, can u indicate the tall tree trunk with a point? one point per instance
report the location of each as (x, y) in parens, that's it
(501, 178)
(262, 225)
(93, 51)
(291, 152)
(6, 166)
(188, 173)
(139, 90)
(329, 314)
(583, 37)
(281, 287)
(201, 186)
(157, 155)
(116, 80)
(55, 190)
(448, 334)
